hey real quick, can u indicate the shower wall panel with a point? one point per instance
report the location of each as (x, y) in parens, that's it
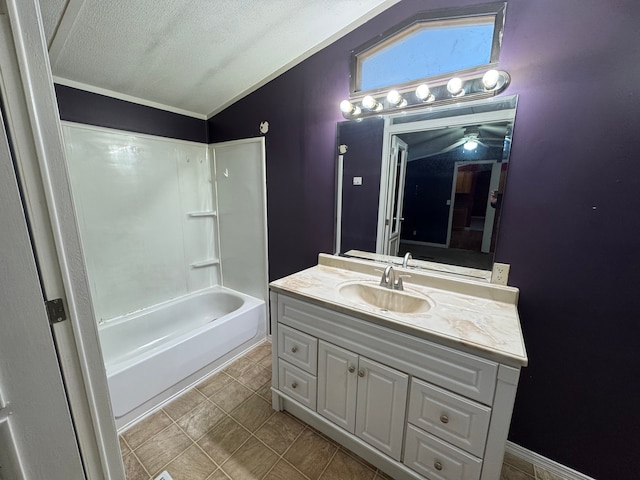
(134, 195)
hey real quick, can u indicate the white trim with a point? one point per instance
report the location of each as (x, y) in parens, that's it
(544, 463)
(127, 98)
(312, 51)
(338, 243)
(147, 136)
(425, 244)
(88, 373)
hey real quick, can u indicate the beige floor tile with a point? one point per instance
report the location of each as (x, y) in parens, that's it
(224, 439)
(192, 464)
(358, 458)
(284, 471)
(542, 474)
(161, 449)
(380, 475)
(310, 454)
(254, 377)
(253, 413)
(147, 428)
(266, 362)
(201, 419)
(345, 466)
(124, 448)
(184, 404)
(237, 367)
(265, 391)
(519, 463)
(133, 469)
(258, 353)
(218, 475)
(251, 461)
(279, 432)
(512, 473)
(214, 384)
(231, 396)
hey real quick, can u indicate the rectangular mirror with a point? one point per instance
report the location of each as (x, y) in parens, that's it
(430, 183)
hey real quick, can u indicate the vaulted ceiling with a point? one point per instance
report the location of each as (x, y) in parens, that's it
(191, 56)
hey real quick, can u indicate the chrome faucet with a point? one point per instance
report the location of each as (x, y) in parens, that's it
(405, 260)
(388, 279)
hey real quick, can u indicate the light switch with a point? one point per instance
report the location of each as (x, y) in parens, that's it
(357, 180)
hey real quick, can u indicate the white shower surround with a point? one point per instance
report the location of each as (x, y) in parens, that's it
(177, 259)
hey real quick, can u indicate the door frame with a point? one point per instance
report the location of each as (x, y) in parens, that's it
(34, 122)
(394, 205)
(456, 166)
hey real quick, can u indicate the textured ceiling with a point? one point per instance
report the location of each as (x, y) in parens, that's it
(192, 55)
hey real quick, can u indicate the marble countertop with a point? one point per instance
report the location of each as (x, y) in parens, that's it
(475, 316)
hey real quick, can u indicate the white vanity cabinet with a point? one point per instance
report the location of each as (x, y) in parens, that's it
(411, 406)
(363, 397)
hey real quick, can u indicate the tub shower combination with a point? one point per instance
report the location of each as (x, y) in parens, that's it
(149, 352)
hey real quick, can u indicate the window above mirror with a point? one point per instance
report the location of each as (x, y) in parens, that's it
(430, 46)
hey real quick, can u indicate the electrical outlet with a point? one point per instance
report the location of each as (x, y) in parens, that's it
(500, 273)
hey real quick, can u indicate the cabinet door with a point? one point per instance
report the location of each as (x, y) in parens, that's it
(337, 385)
(381, 405)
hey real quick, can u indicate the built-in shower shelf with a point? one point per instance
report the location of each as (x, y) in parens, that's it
(209, 213)
(205, 263)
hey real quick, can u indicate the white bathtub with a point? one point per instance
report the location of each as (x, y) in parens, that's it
(151, 351)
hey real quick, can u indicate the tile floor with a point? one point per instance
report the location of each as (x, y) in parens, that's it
(224, 428)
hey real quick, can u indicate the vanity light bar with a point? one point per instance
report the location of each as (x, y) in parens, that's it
(456, 89)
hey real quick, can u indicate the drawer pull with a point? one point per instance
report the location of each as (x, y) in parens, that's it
(437, 466)
(444, 419)
(351, 369)
(361, 373)
(294, 385)
(294, 349)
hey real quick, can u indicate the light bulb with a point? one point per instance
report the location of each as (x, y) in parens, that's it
(349, 108)
(454, 86)
(470, 144)
(424, 94)
(371, 103)
(394, 98)
(490, 79)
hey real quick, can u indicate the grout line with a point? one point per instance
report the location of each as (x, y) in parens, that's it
(328, 463)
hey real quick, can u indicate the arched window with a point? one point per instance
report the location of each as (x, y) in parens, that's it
(429, 46)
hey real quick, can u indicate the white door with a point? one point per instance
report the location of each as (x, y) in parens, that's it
(381, 405)
(37, 439)
(337, 385)
(395, 195)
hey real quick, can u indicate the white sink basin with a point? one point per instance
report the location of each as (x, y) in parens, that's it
(398, 301)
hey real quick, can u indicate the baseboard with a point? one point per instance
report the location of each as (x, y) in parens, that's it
(544, 463)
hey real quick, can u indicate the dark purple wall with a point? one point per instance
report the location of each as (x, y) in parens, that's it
(570, 224)
(89, 108)
(360, 202)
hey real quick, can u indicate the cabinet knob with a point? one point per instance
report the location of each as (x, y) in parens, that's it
(294, 349)
(351, 369)
(437, 466)
(361, 373)
(294, 385)
(444, 419)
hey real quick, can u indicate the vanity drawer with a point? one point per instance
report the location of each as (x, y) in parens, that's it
(453, 418)
(298, 348)
(437, 460)
(297, 383)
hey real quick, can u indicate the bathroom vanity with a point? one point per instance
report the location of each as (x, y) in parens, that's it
(419, 382)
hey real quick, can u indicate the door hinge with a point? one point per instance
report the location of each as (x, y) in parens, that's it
(55, 310)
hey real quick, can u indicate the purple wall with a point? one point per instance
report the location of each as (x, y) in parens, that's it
(570, 219)
(90, 108)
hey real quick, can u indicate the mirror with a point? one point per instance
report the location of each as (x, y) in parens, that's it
(430, 183)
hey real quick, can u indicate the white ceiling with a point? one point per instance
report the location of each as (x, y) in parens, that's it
(191, 56)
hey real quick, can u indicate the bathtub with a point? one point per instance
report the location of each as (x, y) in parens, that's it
(152, 351)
